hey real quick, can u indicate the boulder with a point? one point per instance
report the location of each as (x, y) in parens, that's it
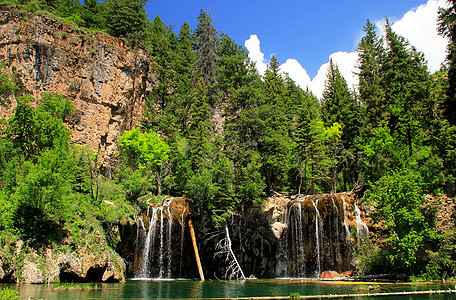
(329, 274)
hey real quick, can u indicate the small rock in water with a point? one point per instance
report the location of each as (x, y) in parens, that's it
(347, 274)
(329, 274)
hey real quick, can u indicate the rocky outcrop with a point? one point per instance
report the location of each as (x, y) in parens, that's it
(71, 260)
(443, 210)
(52, 265)
(106, 82)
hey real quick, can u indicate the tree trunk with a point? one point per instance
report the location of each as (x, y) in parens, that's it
(195, 248)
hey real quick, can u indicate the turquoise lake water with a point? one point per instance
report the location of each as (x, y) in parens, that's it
(192, 289)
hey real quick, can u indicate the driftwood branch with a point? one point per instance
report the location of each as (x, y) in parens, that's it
(223, 247)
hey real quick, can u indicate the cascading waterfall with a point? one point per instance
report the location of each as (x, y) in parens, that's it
(156, 262)
(182, 242)
(162, 247)
(170, 227)
(314, 237)
(148, 245)
(317, 235)
(347, 231)
(362, 231)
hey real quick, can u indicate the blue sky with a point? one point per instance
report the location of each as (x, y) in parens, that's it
(306, 31)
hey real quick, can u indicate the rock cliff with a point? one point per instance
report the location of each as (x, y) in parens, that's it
(106, 82)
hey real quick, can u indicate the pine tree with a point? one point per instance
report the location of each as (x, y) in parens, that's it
(126, 18)
(308, 112)
(242, 131)
(199, 131)
(275, 141)
(447, 28)
(159, 112)
(406, 85)
(92, 14)
(206, 55)
(185, 59)
(340, 106)
(371, 93)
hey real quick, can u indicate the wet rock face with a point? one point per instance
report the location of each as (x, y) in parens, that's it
(286, 238)
(158, 245)
(318, 237)
(106, 83)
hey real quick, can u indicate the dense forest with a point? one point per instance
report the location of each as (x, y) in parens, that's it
(217, 132)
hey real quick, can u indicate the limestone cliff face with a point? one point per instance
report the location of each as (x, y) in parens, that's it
(106, 82)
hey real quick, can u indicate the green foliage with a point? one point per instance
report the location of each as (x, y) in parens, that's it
(91, 14)
(126, 18)
(275, 124)
(8, 85)
(372, 260)
(340, 107)
(8, 294)
(206, 56)
(395, 133)
(442, 263)
(143, 150)
(295, 296)
(43, 195)
(202, 189)
(397, 198)
(34, 130)
(142, 155)
(371, 93)
(447, 28)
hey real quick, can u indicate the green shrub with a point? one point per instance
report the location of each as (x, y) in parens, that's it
(8, 294)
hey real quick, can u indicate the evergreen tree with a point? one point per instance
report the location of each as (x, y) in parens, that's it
(447, 28)
(126, 18)
(275, 142)
(306, 138)
(199, 129)
(159, 112)
(242, 88)
(339, 106)
(406, 85)
(206, 55)
(371, 93)
(185, 59)
(91, 14)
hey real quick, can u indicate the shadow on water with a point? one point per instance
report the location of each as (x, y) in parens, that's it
(192, 289)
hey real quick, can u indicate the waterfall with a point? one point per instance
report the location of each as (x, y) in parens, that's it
(317, 236)
(347, 231)
(144, 269)
(156, 261)
(335, 239)
(362, 231)
(182, 242)
(162, 246)
(170, 227)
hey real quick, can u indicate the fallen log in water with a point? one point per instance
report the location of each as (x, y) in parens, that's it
(195, 248)
(431, 292)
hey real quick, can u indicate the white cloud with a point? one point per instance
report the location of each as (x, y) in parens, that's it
(296, 72)
(255, 54)
(346, 62)
(419, 26)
